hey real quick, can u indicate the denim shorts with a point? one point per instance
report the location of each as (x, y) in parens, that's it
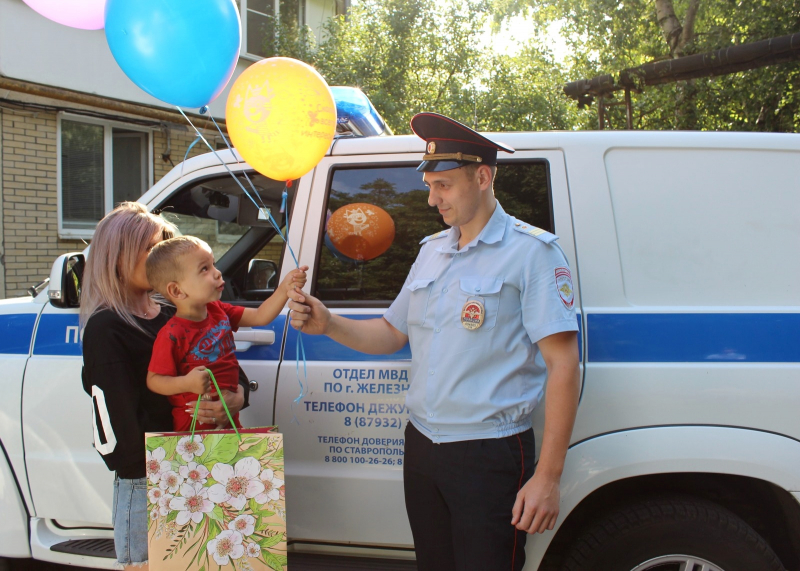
(130, 519)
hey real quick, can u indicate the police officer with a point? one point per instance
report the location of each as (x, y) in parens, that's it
(488, 310)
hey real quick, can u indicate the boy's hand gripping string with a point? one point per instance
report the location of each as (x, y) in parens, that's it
(301, 353)
(224, 405)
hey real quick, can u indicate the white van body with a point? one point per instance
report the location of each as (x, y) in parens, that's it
(684, 253)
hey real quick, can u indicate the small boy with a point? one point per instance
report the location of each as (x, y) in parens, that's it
(200, 334)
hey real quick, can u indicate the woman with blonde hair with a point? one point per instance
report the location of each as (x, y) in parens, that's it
(120, 319)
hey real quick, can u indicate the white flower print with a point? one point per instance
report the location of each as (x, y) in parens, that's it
(170, 481)
(156, 464)
(236, 483)
(244, 524)
(194, 473)
(272, 487)
(226, 546)
(253, 550)
(192, 505)
(163, 504)
(155, 494)
(189, 447)
(154, 513)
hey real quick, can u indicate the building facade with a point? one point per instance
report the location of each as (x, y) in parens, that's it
(77, 136)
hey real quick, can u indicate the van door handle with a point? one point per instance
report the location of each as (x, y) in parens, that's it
(249, 337)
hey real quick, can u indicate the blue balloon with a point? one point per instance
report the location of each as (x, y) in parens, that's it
(182, 52)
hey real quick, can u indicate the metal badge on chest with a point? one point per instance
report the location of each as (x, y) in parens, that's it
(472, 314)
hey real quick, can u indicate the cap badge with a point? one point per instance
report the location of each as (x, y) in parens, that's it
(472, 314)
(431, 147)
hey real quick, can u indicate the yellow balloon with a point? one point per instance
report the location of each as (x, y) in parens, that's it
(281, 117)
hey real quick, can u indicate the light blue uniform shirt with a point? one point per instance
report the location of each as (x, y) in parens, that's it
(484, 383)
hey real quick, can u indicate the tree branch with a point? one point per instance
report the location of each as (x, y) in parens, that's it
(668, 22)
(687, 35)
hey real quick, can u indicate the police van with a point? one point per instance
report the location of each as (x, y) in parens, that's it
(684, 254)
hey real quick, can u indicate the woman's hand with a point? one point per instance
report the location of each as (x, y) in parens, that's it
(212, 411)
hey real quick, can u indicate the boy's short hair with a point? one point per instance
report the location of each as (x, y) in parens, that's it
(163, 263)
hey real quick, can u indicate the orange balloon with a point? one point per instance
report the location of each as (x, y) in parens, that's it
(281, 117)
(361, 231)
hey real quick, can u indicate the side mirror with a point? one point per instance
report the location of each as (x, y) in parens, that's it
(65, 280)
(260, 275)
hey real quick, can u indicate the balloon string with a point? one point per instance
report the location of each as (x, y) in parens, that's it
(186, 156)
(239, 182)
(300, 349)
(244, 172)
(300, 352)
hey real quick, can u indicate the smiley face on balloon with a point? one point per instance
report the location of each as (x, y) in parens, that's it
(361, 231)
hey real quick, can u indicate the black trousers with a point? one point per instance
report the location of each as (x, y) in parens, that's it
(459, 497)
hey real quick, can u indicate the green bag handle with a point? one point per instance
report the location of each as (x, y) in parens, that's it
(222, 400)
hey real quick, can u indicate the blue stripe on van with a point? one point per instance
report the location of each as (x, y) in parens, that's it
(694, 338)
(57, 334)
(322, 348)
(16, 330)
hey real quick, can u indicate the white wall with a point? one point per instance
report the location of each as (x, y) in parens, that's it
(317, 11)
(32, 48)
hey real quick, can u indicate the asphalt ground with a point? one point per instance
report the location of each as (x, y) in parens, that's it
(297, 562)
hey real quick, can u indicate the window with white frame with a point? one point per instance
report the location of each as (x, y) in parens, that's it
(100, 164)
(259, 24)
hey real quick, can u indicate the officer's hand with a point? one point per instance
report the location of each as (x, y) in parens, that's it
(307, 314)
(536, 508)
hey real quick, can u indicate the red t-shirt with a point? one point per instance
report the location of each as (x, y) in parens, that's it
(182, 345)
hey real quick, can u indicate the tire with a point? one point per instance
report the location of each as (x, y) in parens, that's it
(664, 534)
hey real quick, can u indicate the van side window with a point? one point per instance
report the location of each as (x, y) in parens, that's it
(344, 281)
(247, 249)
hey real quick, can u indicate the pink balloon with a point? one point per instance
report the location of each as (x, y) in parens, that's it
(83, 14)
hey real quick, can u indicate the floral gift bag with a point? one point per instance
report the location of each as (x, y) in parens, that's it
(216, 500)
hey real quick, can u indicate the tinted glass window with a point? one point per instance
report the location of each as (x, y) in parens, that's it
(247, 250)
(82, 174)
(342, 279)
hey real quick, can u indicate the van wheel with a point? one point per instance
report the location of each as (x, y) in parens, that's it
(671, 534)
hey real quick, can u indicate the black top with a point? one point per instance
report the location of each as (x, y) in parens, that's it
(115, 360)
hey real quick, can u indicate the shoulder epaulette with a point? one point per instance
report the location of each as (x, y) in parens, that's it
(532, 230)
(436, 236)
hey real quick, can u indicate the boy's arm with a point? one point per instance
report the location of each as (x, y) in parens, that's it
(272, 306)
(196, 381)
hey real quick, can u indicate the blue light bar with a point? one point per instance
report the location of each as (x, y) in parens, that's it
(355, 114)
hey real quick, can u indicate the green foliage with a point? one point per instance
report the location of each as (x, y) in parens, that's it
(606, 36)
(421, 55)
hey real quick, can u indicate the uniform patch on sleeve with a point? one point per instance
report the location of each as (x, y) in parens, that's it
(564, 286)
